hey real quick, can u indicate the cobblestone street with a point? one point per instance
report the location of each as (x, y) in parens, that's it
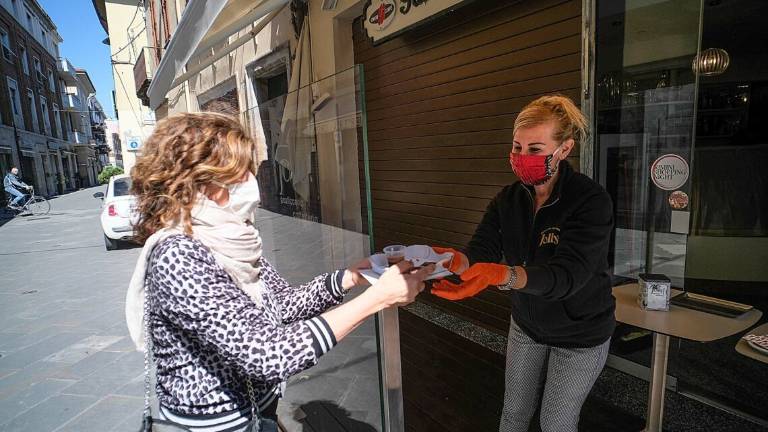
(67, 364)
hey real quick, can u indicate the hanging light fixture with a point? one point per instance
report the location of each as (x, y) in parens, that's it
(711, 62)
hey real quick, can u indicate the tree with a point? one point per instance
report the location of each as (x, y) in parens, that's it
(109, 172)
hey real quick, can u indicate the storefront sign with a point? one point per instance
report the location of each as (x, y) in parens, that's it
(669, 172)
(387, 18)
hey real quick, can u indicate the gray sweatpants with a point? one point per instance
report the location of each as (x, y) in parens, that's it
(564, 375)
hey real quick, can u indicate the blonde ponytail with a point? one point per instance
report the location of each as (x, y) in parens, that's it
(570, 122)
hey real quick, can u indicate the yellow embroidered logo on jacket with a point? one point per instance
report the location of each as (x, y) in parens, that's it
(550, 236)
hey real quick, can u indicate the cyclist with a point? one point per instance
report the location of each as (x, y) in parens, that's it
(12, 184)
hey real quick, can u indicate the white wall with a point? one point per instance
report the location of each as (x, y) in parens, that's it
(277, 33)
(135, 119)
(332, 54)
(332, 51)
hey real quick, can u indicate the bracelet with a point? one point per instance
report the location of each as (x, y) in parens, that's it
(512, 280)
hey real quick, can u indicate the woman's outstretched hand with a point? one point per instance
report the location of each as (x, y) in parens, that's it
(459, 264)
(398, 286)
(477, 278)
(401, 283)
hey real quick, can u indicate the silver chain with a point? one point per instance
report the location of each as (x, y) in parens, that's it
(147, 341)
(251, 396)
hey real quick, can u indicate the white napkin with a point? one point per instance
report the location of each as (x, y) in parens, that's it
(418, 255)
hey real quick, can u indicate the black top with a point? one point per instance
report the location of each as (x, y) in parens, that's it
(567, 301)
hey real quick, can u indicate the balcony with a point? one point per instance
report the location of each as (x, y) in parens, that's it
(67, 71)
(71, 102)
(144, 70)
(102, 149)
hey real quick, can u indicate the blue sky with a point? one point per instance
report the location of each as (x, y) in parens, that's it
(82, 33)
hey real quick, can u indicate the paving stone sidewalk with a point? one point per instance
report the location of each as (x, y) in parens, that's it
(66, 361)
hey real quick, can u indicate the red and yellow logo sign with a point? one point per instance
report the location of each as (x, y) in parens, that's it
(382, 15)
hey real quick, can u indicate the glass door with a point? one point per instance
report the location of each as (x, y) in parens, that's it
(727, 247)
(681, 88)
(644, 123)
(314, 219)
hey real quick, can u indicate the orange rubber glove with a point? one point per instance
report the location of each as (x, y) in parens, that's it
(458, 264)
(475, 279)
(452, 291)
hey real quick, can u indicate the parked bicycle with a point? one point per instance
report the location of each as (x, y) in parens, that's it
(32, 204)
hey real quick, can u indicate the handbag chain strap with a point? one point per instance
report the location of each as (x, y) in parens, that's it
(147, 348)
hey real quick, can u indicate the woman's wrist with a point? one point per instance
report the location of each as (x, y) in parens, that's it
(348, 280)
(345, 318)
(374, 299)
(521, 277)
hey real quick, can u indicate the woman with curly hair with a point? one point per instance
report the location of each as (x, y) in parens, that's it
(226, 330)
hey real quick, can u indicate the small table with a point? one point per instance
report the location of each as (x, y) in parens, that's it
(678, 322)
(743, 347)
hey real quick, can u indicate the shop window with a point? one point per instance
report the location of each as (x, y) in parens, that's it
(664, 95)
(729, 169)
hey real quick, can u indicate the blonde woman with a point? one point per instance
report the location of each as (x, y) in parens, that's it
(225, 330)
(545, 240)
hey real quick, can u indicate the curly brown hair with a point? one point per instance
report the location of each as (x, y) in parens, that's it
(185, 153)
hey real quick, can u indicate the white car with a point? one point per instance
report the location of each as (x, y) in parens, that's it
(118, 211)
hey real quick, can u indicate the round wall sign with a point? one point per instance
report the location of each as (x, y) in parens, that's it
(381, 13)
(669, 172)
(678, 200)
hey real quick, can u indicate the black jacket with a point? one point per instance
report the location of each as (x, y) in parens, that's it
(567, 301)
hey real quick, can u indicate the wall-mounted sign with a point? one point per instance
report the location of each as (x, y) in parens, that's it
(384, 19)
(678, 200)
(669, 172)
(133, 144)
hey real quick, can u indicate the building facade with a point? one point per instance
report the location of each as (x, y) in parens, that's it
(32, 136)
(124, 23)
(394, 118)
(98, 120)
(112, 131)
(253, 80)
(84, 122)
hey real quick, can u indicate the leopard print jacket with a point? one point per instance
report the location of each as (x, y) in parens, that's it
(208, 335)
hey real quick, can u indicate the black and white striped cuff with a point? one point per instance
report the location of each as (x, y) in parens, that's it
(323, 338)
(333, 282)
(229, 421)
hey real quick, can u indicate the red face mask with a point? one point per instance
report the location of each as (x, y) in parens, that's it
(532, 170)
